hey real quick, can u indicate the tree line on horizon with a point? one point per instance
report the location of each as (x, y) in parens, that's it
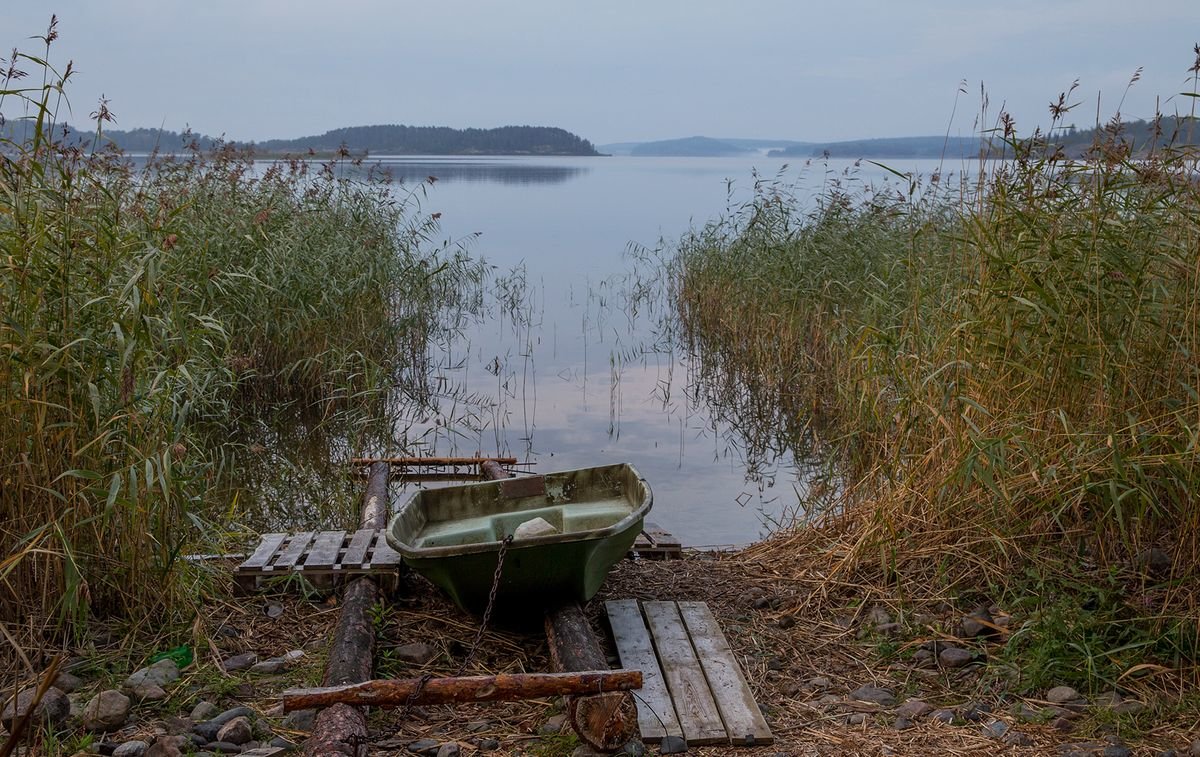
(380, 140)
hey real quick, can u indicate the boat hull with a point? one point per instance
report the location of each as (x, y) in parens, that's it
(452, 536)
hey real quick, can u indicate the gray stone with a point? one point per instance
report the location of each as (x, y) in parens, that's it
(856, 718)
(633, 748)
(902, 724)
(1061, 695)
(953, 657)
(975, 712)
(150, 682)
(819, 682)
(236, 731)
(1117, 750)
(281, 743)
(164, 748)
(54, 707)
(942, 716)
(67, 683)
(888, 629)
(1167, 753)
(914, 709)
(1017, 738)
(996, 729)
(553, 725)
(300, 720)
(273, 610)
(878, 616)
(294, 656)
(176, 725)
(263, 751)
(475, 726)
(786, 622)
(488, 745)
(1194, 749)
(448, 750)
(208, 729)
(1128, 707)
(415, 653)
(874, 694)
(424, 746)
(1063, 725)
(978, 623)
(107, 711)
(224, 747)
(131, 749)
(239, 662)
(203, 711)
(267, 667)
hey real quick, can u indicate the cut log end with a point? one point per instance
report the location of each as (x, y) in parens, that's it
(605, 721)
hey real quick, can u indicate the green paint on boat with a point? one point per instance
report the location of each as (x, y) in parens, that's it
(452, 535)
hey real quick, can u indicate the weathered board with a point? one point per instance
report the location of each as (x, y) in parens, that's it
(690, 677)
(321, 558)
(654, 543)
(743, 719)
(656, 712)
(694, 704)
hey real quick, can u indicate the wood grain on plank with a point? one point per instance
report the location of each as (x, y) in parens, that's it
(267, 547)
(293, 551)
(324, 551)
(694, 704)
(356, 553)
(656, 714)
(743, 719)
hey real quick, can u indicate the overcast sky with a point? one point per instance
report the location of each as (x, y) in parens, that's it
(609, 71)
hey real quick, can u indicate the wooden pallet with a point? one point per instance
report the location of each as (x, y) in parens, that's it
(692, 685)
(322, 558)
(654, 543)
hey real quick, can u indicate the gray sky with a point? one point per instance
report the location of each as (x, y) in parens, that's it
(613, 70)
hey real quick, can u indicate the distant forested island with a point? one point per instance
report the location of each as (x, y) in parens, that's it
(394, 139)
(376, 140)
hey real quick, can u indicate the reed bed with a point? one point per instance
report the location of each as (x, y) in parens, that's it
(1003, 371)
(151, 312)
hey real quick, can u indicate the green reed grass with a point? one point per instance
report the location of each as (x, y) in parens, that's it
(995, 364)
(148, 313)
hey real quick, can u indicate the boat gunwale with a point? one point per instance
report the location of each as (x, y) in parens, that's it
(638, 513)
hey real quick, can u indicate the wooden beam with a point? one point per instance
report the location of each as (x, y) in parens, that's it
(340, 728)
(505, 687)
(604, 721)
(415, 462)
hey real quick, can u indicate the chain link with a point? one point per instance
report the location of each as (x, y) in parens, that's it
(483, 624)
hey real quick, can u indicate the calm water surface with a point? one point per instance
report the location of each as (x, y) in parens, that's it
(570, 374)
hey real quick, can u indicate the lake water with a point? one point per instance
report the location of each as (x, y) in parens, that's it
(577, 378)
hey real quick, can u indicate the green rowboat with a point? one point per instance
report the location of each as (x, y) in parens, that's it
(569, 529)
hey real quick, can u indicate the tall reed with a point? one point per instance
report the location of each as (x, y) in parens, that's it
(147, 312)
(995, 365)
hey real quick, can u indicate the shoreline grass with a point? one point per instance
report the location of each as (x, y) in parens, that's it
(149, 315)
(1004, 373)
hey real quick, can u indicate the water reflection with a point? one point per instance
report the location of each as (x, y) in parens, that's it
(484, 170)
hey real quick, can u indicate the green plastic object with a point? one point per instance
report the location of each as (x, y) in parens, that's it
(452, 535)
(182, 655)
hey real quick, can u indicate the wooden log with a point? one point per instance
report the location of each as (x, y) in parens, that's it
(340, 729)
(420, 461)
(505, 687)
(490, 469)
(604, 721)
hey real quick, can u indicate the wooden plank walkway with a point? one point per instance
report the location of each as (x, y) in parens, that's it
(321, 558)
(654, 543)
(326, 557)
(692, 683)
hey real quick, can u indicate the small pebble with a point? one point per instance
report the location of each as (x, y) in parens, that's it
(1061, 695)
(131, 749)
